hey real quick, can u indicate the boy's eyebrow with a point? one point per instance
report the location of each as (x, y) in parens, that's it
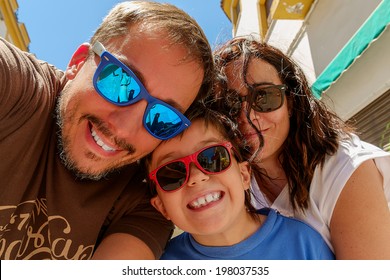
(200, 145)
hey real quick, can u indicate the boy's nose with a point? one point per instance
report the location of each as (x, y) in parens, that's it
(196, 176)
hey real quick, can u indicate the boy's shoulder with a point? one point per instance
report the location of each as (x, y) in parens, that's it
(280, 221)
(178, 247)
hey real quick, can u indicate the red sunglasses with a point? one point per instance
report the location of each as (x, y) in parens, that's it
(173, 175)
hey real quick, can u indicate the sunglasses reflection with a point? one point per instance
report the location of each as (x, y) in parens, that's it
(210, 160)
(119, 85)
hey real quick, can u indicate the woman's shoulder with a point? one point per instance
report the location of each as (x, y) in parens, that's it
(330, 178)
(354, 146)
(353, 151)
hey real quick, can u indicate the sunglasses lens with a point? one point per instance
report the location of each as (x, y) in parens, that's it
(214, 159)
(162, 121)
(171, 176)
(116, 85)
(268, 99)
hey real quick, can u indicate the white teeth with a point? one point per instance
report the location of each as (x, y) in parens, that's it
(209, 198)
(107, 148)
(195, 204)
(100, 142)
(204, 200)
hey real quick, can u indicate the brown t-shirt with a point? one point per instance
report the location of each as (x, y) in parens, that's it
(45, 211)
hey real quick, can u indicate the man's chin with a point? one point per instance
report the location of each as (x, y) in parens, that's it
(89, 175)
(89, 167)
(83, 172)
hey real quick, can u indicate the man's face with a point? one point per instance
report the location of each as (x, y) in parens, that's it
(99, 137)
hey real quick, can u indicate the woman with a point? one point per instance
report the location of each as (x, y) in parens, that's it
(309, 163)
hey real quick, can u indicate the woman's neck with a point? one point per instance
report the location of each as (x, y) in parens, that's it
(273, 182)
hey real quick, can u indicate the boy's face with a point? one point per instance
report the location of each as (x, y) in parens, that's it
(208, 204)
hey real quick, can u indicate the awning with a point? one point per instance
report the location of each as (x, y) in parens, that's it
(367, 33)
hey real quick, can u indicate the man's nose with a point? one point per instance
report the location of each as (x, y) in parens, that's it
(128, 120)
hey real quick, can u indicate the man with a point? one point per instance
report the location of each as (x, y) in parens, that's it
(71, 186)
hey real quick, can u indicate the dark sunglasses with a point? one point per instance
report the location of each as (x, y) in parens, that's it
(173, 175)
(116, 83)
(265, 99)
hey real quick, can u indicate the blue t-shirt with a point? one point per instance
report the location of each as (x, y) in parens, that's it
(278, 238)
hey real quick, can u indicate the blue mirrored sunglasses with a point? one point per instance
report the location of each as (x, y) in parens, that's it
(116, 83)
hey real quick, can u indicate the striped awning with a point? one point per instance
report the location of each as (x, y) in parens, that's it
(367, 33)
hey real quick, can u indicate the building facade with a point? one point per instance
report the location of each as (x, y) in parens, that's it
(10, 28)
(343, 47)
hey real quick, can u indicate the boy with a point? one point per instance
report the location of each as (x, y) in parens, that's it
(203, 187)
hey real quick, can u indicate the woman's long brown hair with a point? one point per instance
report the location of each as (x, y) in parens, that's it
(315, 131)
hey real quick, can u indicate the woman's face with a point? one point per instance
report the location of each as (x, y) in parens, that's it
(274, 126)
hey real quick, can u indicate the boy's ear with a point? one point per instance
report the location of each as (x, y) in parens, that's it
(159, 205)
(77, 61)
(245, 174)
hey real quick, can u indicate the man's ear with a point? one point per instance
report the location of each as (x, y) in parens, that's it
(245, 174)
(159, 205)
(77, 60)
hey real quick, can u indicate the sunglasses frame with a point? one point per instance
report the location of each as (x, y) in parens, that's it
(253, 93)
(107, 58)
(192, 158)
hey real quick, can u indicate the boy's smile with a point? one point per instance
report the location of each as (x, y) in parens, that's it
(209, 206)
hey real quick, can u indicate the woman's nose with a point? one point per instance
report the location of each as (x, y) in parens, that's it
(247, 113)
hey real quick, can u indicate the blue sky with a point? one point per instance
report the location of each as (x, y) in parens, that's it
(56, 28)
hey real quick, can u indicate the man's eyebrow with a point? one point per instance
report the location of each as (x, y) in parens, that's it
(139, 75)
(132, 67)
(135, 71)
(174, 104)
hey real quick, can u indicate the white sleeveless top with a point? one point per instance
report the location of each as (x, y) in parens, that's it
(328, 183)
